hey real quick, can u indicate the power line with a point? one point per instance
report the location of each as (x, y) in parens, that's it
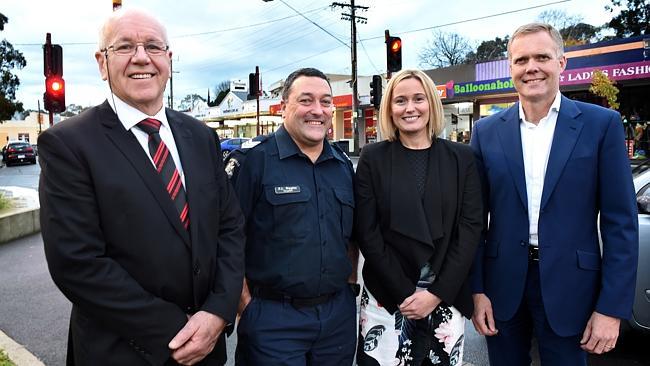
(192, 34)
(473, 19)
(245, 26)
(316, 24)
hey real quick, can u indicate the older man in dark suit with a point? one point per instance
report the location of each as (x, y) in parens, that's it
(141, 228)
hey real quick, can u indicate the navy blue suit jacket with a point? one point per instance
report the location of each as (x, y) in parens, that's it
(588, 174)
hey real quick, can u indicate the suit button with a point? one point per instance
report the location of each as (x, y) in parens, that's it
(522, 243)
(197, 269)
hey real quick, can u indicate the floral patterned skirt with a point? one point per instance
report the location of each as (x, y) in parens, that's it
(386, 339)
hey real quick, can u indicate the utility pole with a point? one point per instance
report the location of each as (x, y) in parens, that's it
(40, 118)
(353, 18)
(171, 83)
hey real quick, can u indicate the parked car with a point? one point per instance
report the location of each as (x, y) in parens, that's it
(232, 144)
(18, 152)
(641, 311)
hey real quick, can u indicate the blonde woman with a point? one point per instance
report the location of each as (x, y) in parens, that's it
(419, 215)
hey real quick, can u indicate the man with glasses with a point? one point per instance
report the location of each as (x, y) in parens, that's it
(142, 230)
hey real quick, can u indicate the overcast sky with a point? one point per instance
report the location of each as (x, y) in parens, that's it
(216, 40)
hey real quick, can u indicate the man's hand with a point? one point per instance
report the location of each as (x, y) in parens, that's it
(419, 305)
(197, 338)
(482, 318)
(244, 299)
(601, 333)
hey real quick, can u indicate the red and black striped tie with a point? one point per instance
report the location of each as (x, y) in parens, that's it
(166, 168)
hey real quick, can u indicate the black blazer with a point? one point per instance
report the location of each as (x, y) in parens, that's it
(398, 232)
(116, 247)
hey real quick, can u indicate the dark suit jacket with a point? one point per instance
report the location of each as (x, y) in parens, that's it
(116, 247)
(398, 232)
(588, 174)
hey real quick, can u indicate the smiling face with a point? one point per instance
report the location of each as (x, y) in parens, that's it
(307, 112)
(535, 66)
(409, 109)
(138, 80)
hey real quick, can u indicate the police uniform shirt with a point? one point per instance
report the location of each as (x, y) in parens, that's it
(299, 216)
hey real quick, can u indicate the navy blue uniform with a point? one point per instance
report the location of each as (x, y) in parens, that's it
(299, 219)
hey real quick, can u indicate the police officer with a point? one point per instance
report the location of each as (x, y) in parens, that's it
(296, 192)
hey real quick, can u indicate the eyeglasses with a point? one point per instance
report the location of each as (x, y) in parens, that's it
(129, 48)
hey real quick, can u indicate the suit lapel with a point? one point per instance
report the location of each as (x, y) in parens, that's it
(567, 130)
(407, 215)
(510, 138)
(126, 142)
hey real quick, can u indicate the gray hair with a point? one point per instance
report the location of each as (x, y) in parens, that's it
(107, 28)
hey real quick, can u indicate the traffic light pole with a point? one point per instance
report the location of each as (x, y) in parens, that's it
(257, 97)
(48, 71)
(386, 36)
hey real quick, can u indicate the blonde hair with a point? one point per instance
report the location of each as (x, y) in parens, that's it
(436, 118)
(532, 28)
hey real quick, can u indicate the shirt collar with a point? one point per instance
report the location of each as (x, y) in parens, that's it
(287, 147)
(130, 116)
(555, 107)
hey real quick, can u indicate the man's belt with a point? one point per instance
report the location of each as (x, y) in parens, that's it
(298, 302)
(533, 253)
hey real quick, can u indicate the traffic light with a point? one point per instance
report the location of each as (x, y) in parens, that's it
(253, 85)
(376, 90)
(393, 54)
(54, 97)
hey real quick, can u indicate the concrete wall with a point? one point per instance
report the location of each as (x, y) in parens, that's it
(16, 223)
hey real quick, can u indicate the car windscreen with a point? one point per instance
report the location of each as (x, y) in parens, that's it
(19, 145)
(639, 166)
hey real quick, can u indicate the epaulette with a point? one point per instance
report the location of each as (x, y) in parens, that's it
(338, 149)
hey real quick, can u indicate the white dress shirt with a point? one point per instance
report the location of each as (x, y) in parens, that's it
(130, 117)
(536, 141)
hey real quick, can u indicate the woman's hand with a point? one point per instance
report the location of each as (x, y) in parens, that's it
(419, 305)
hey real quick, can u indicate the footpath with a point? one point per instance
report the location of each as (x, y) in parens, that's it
(20, 220)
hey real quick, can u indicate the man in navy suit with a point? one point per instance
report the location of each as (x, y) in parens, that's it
(553, 170)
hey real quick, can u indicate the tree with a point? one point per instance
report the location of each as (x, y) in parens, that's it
(581, 33)
(633, 21)
(220, 90)
(559, 19)
(9, 59)
(445, 49)
(73, 110)
(190, 101)
(495, 49)
(603, 87)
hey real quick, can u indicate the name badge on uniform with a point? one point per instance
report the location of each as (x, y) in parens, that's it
(287, 189)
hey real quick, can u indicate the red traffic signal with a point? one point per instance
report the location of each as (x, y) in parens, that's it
(393, 54)
(54, 97)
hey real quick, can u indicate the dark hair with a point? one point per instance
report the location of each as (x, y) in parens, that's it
(309, 72)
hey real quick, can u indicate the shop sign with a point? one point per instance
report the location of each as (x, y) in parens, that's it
(484, 87)
(633, 70)
(442, 91)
